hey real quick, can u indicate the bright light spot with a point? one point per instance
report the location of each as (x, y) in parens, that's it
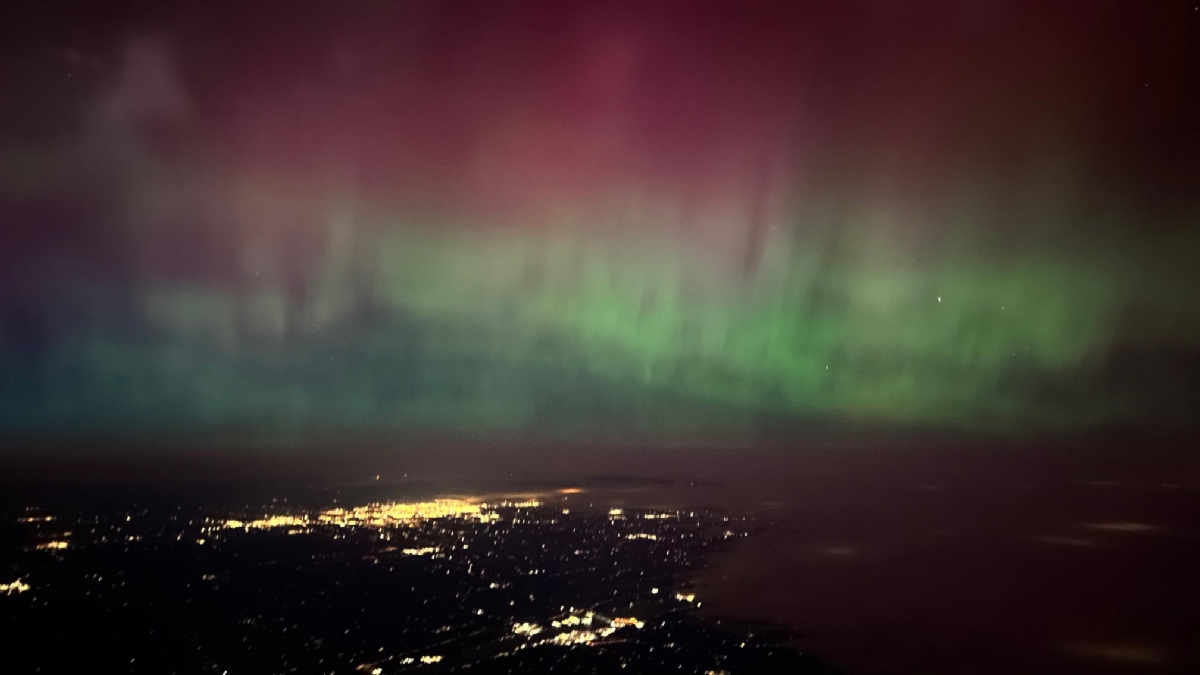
(17, 586)
(268, 523)
(575, 637)
(428, 550)
(526, 628)
(622, 621)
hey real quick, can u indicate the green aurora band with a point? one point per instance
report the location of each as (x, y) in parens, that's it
(557, 330)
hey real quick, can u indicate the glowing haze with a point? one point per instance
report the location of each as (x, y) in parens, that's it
(646, 218)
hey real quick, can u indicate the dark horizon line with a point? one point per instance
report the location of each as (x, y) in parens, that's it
(200, 458)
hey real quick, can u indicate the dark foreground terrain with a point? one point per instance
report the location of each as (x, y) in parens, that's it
(336, 581)
(906, 556)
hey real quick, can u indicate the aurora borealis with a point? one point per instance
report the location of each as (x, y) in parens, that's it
(643, 218)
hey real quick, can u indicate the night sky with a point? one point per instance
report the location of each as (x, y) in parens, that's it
(601, 220)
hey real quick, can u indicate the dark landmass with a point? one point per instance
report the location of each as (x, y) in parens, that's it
(564, 584)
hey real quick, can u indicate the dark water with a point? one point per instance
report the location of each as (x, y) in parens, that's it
(1002, 563)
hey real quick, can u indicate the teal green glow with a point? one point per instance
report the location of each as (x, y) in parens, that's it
(881, 346)
(496, 329)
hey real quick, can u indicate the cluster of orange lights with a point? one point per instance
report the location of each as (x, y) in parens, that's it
(584, 628)
(17, 586)
(379, 515)
(382, 515)
(393, 514)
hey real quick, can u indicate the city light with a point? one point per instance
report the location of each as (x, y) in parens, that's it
(478, 549)
(393, 514)
(17, 586)
(428, 550)
(377, 515)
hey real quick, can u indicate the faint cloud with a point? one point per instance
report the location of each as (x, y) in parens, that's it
(1065, 541)
(1124, 526)
(1132, 653)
